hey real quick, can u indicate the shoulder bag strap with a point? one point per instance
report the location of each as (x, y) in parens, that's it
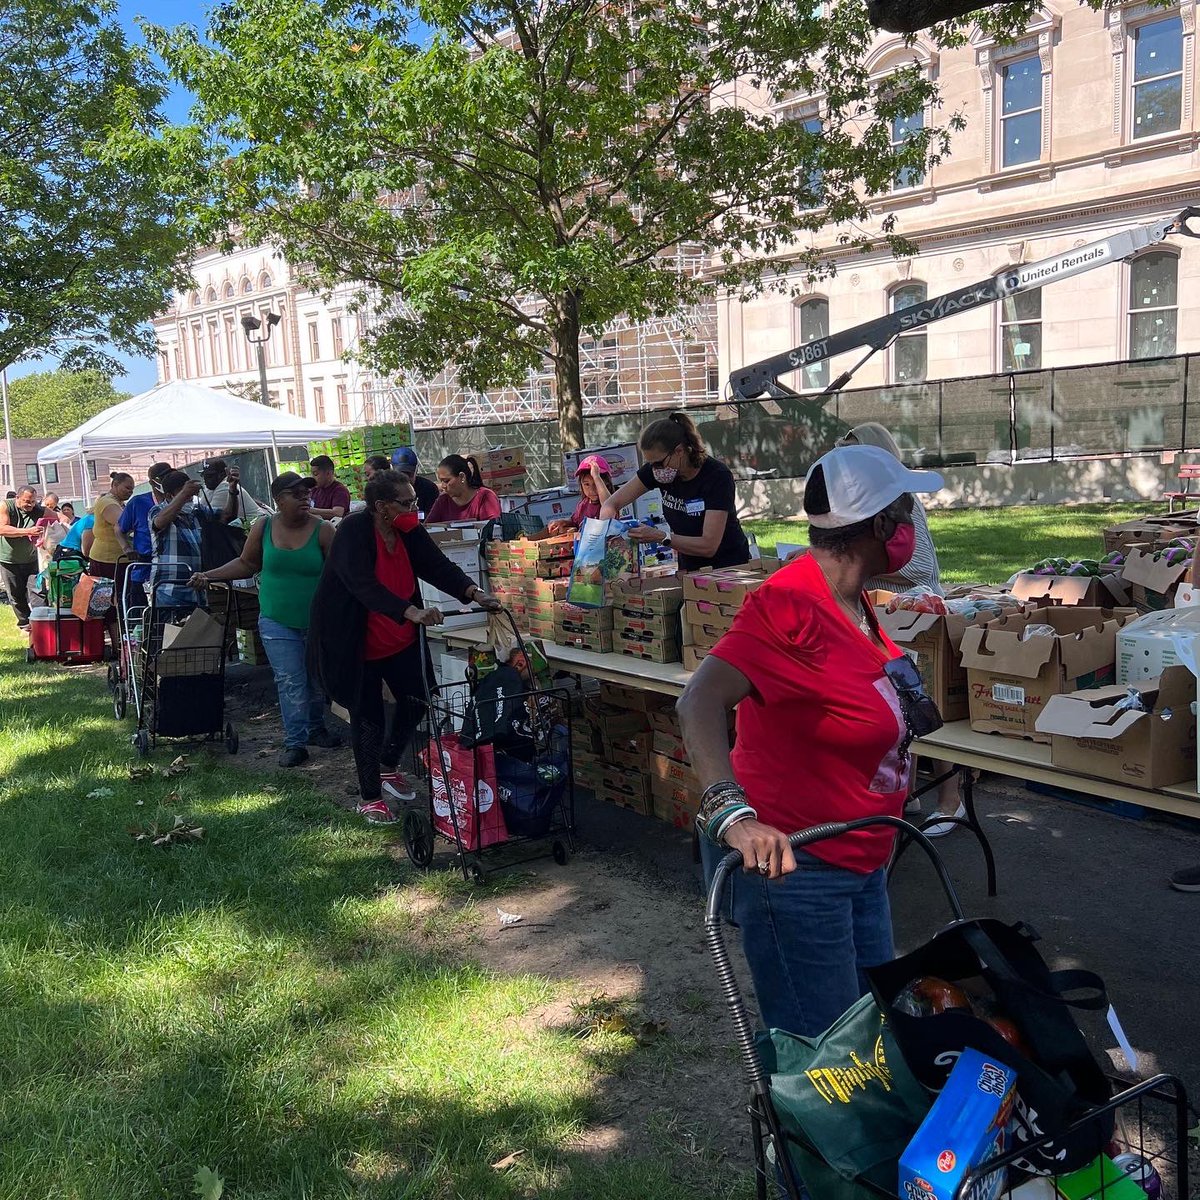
(994, 960)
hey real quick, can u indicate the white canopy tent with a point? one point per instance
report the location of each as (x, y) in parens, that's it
(184, 416)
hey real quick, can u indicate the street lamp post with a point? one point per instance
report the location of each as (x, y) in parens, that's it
(258, 334)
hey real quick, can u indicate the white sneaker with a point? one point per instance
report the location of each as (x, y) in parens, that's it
(396, 785)
(945, 827)
(912, 806)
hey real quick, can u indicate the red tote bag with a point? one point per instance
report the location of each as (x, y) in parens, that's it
(466, 779)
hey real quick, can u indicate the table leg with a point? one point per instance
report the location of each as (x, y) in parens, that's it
(970, 821)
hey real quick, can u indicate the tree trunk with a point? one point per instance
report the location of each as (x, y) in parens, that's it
(566, 371)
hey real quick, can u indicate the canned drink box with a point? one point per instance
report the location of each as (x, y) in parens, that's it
(964, 1129)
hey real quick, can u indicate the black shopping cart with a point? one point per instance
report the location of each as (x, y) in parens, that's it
(496, 792)
(181, 692)
(1149, 1118)
(130, 598)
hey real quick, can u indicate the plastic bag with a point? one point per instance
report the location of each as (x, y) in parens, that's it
(1032, 631)
(604, 554)
(920, 599)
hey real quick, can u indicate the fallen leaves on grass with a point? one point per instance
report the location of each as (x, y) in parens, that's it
(159, 833)
(179, 766)
(507, 1161)
(615, 1015)
(209, 1185)
(138, 774)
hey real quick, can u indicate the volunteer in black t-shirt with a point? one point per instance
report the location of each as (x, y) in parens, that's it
(697, 493)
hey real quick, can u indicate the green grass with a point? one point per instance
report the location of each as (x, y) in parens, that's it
(987, 545)
(261, 1002)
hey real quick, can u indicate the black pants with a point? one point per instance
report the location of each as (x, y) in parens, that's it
(18, 582)
(368, 726)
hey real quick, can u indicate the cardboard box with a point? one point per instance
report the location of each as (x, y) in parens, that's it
(673, 771)
(648, 595)
(1147, 647)
(664, 719)
(705, 636)
(674, 804)
(933, 642)
(670, 745)
(1084, 591)
(193, 648)
(707, 613)
(645, 626)
(663, 651)
(1010, 681)
(614, 723)
(546, 591)
(730, 586)
(632, 753)
(1157, 530)
(630, 789)
(693, 656)
(570, 618)
(1152, 578)
(1091, 734)
(635, 699)
(594, 643)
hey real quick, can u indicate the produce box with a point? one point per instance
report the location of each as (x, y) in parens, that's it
(1158, 530)
(647, 594)
(674, 771)
(1147, 647)
(632, 753)
(665, 650)
(570, 618)
(1085, 591)
(629, 789)
(614, 723)
(645, 627)
(693, 656)
(707, 613)
(673, 803)
(1010, 680)
(250, 648)
(706, 636)
(670, 745)
(1154, 579)
(503, 471)
(932, 641)
(590, 775)
(729, 586)
(1093, 733)
(545, 590)
(594, 643)
(637, 699)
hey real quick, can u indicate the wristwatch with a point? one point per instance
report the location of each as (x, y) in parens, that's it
(666, 538)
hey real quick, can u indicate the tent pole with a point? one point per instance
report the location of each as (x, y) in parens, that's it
(274, 456)
(84, 490)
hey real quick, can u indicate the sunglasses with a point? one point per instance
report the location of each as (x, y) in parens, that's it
(296, 493)
(405, 505)
(920, 713)
(654, 466)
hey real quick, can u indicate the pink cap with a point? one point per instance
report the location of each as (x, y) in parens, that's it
(586, 465)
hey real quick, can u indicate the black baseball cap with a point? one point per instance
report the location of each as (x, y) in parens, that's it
(285, 483)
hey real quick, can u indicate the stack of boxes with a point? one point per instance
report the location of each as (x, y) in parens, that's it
(530, 578)
(646, 618)
(504, 471)
(711, 600)
(350, 450)
(585, 628)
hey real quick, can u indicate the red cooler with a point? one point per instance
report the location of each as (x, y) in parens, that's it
(65, 637)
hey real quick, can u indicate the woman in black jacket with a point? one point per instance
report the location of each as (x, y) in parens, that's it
(363, 630)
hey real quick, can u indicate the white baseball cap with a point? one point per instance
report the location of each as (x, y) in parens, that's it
(861, 481)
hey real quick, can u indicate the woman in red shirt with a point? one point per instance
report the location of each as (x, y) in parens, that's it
(363, 628)
(821, 736)
(463, 498)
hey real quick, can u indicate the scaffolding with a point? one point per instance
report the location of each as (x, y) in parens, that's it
(632, 366)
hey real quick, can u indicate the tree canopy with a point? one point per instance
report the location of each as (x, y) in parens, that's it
(48, 404)
(88, 250)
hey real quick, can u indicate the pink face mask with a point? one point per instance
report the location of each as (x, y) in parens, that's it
(900, 547)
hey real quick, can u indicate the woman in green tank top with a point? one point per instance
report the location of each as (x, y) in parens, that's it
(287, 553)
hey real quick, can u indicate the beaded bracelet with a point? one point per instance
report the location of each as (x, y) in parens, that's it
(718, 795)
(727, 819)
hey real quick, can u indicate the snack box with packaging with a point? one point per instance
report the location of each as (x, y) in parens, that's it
(963, 1130)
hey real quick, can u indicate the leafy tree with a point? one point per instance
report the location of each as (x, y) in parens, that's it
(48, 404)
(531, 171)
(87, 250)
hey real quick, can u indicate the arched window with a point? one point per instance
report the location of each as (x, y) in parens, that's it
(810, 323)
(230, 292)
(247, 285)
(910, 353)
(264, 281)
(1153, 304)
(210, 295)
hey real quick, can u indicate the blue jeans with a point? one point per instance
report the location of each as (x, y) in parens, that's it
(807, 937)
(301, 701)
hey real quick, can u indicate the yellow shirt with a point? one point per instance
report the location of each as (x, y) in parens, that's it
(105, 548)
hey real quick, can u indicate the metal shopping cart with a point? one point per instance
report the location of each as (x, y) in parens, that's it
(511, 792)
(181, 692)
(1148, 1119)
(123, 674)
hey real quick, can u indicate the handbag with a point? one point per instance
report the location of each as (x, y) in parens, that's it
(91, 597)
(464, 787)
(219, 543)
(847, 1101)
(1059, 1081)
(530, 792)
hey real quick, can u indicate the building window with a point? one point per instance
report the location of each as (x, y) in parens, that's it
(1021, 111)
(319, 403)
(343, 405)
(902, 129)
(1021, 331)
(338, 340)
(164, 366)
(910, 352)
(232, 342)
(210, 296)
(368, 404)
(810, 323)
(264, 281)
(214, 349)
(178, 363)
(31, 473)
(1157, 100)
(314, 342)
(291, 401)
(247, 286)
(51, 472)
(91, 462)
(1153, 297)
(230, 291)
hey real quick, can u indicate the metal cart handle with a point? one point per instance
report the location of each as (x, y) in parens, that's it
(714, 937)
